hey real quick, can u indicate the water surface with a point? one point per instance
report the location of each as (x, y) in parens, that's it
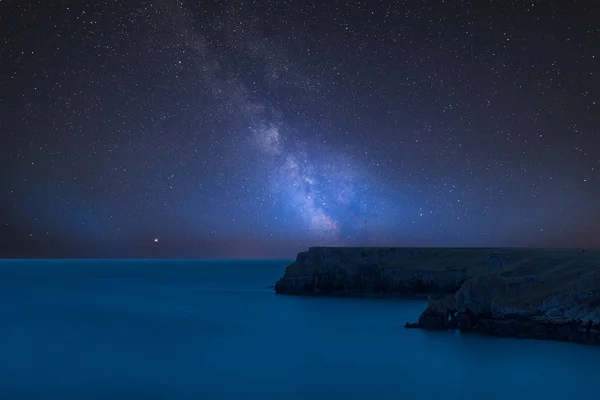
(186, 329)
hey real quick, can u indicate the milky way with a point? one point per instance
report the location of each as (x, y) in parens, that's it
(247, 128)
(313, 187)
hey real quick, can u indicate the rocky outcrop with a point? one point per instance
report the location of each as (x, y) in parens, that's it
(390, 271)
(370, 272)
(561, 302)
(529, 293)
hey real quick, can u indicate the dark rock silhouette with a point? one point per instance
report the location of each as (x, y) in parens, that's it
(524, 293)
(369, 272)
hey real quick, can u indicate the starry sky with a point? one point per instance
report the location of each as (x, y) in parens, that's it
(180, 128)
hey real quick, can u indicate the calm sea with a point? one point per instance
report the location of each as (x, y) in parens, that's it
(140, 329)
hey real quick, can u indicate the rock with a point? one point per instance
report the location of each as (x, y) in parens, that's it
(559, 303)
(373, 272)
(523, 293)
(439, 314)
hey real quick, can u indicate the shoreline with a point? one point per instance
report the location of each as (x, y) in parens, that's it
(504, 292)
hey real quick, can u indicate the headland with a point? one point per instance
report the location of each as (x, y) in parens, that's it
(510, 292)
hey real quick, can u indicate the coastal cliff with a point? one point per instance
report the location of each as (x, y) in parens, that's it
(356, 271)
(529, 293)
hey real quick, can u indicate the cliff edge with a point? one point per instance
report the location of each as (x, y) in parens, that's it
(529, 293)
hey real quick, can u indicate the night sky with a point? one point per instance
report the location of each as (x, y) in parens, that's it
(259, 128)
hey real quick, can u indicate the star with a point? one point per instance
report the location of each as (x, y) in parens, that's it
(256, 135)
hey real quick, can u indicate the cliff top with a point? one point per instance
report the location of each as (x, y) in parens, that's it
(476, 261)
(521, 292)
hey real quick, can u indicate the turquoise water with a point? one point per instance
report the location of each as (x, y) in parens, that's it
(214, 330)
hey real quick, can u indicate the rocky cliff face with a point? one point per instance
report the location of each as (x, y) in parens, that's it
(542, 294)
(560, 303)
(390, 270)
(368, 271)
